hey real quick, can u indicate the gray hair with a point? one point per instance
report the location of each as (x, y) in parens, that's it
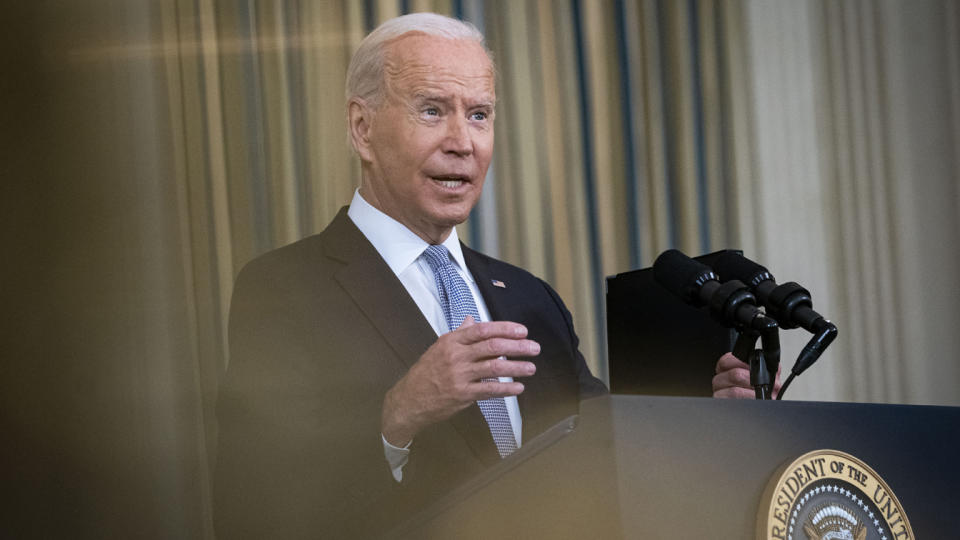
(365, 74)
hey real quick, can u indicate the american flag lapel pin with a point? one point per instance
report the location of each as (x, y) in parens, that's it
(498, 283)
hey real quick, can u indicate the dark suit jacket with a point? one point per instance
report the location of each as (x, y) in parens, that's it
(319, 331)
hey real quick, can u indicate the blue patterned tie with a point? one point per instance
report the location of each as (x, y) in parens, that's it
(457, 303)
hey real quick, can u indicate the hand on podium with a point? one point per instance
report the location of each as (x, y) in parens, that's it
(733, 379)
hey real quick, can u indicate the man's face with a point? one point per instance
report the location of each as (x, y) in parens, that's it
(431, 139)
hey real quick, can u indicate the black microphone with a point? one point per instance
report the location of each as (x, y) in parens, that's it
(789, 303)
(730, 303)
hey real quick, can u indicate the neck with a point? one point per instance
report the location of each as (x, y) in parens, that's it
(432, 236)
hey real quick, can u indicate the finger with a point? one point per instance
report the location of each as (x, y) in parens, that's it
(729, 361)
(502, 367)
(732, 378)
(496, 347)
(475, 332)
(492, 389)
(735, 393)
(777, 383)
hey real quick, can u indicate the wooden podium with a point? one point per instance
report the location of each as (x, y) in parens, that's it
(667, 467)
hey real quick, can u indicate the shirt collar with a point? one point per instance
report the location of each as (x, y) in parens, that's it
(398, 245)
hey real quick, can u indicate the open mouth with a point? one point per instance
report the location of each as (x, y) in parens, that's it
(450, 181)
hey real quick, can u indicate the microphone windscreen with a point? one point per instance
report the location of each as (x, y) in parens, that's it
(732, 265)
(681, 275)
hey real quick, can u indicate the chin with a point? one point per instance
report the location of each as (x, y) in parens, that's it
(453, 212)
(451, 217)
(452, 221)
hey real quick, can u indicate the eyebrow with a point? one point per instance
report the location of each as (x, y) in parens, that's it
(422, 97)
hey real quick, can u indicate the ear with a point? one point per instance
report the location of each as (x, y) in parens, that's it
(359, 122)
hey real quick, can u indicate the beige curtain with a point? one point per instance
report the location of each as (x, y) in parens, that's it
(855, 189)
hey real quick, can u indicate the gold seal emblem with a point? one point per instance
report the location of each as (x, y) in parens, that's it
(830, 495)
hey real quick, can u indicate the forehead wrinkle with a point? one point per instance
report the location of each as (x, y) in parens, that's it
(404, 68)
(428, 80)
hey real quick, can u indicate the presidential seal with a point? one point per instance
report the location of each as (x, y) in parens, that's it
(830, 495)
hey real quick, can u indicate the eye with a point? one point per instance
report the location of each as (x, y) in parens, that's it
(431, 111)
(479, 116)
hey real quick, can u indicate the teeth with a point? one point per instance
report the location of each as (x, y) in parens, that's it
(450, 183)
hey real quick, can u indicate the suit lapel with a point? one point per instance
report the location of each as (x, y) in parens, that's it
(377, 291)
(498, 299)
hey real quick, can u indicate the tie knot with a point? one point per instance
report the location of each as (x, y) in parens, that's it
(437, 257)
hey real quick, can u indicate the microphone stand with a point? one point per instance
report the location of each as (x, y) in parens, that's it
(763, 361)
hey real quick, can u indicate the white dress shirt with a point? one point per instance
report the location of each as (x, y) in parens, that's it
(402, 250)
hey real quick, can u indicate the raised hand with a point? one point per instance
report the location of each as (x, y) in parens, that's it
(453, 373)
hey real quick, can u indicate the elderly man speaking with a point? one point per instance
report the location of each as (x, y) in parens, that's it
(381, 363)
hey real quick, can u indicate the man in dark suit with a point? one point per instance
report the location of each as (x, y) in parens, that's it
(353, 396)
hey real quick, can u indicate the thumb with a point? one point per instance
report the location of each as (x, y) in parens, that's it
(468, 321)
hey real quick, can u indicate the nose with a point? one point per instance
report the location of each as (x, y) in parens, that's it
(458, 140)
